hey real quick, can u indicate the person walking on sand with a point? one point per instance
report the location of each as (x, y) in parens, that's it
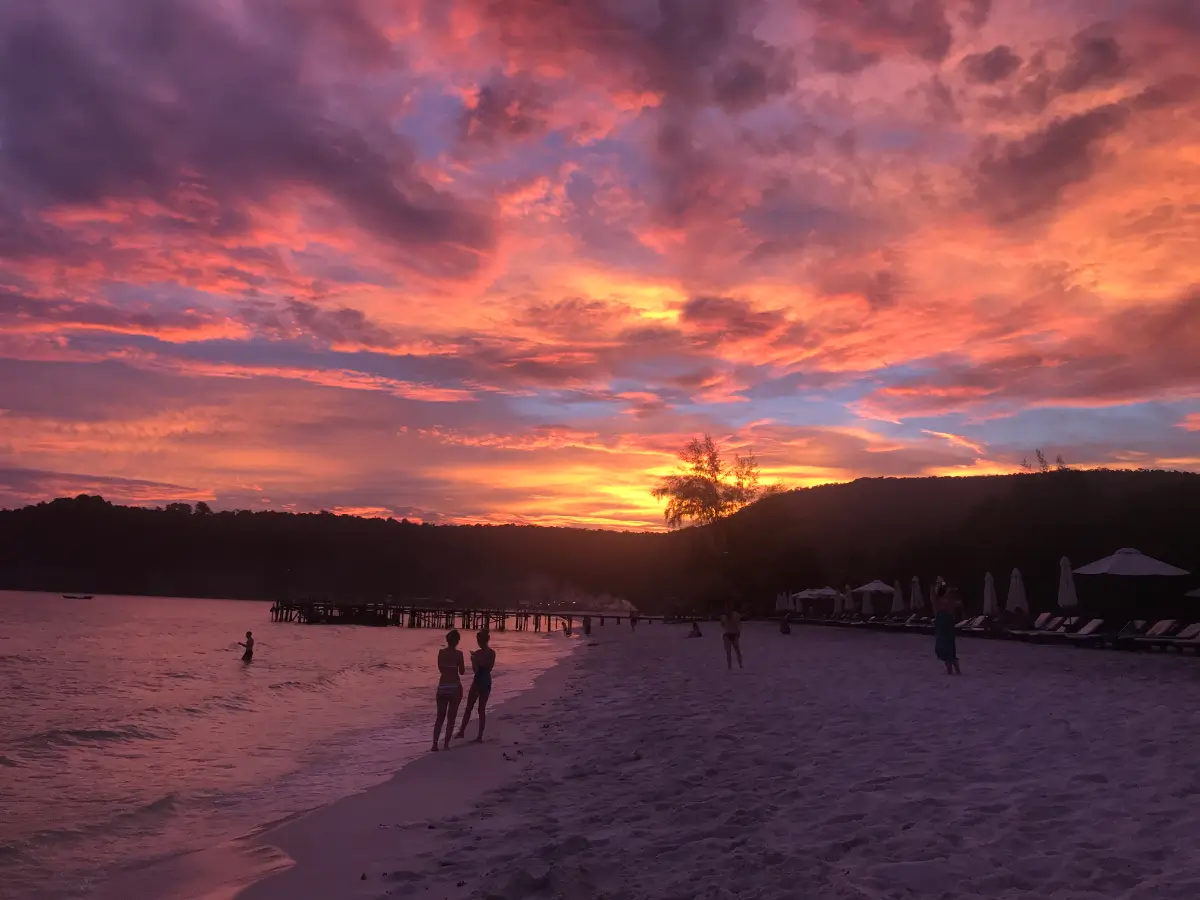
(449, 689)
(483, 661)
(731, 635)
(633, 620)
(946, 614)
(248, 656)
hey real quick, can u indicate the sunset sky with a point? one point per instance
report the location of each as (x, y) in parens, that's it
(496, 260)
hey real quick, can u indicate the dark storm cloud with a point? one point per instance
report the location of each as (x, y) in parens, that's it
(19, 312)
(988, 68)
(693, 51)
(841, 57)
(1094, 61)
(1024, 177)
(166, 100)
(505, 109)
(730, 317)
(298, 319)
(912, 27)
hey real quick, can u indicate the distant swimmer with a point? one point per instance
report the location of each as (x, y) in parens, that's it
(449, 689)
(695, 632)
(483, 661)
(248, 656)
(731, 635)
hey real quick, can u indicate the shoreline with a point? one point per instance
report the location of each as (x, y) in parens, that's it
(837, 765)
(325, 852)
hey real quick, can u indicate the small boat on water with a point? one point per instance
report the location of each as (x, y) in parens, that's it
(77, 596)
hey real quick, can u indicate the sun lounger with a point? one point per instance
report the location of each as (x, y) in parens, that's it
(1160, 629)
(1090, 629)
(1069, 625)
(1188, 637)
(1106, 637)
(1039, 624)
(1048, 625)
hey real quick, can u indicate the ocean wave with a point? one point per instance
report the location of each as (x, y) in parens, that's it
(9, 763)
(74, 737)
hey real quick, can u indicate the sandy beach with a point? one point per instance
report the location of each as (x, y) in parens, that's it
(835, 765)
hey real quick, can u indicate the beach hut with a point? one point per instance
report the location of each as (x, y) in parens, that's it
(1130, 563)
(916, 598)
(1067, 598)
(897, 598)
(991, 605)
(1016, 593)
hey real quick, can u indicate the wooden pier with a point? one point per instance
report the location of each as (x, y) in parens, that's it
(402, 615)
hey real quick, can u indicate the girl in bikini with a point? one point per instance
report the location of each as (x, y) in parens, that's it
(482, 662)
(449, 689)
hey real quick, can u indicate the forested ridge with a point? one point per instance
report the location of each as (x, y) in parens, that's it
(832, 534)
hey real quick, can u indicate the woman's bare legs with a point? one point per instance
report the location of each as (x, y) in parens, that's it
(728, 651)
(451, 716)
(737, 648)
(443, 703)
(472, 696)
(483, 699)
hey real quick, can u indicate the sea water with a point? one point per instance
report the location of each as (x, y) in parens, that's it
(131, 732)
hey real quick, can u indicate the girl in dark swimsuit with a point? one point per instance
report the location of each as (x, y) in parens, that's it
(449, 689)
(482, 661)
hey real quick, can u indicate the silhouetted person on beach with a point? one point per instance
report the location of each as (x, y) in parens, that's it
(945, 616)
(248, 656)
(633, 620)
(587, 626)
(731, 635)
(785, 624)
(483, 661)
(449, 689)
(695, 632)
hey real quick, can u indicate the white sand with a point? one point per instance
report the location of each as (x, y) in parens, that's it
(838, 764)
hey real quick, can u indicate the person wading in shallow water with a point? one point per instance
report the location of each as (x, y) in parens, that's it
(248, 656)
(483, 661)
(946, 614)
(731, 635)
(449, 689)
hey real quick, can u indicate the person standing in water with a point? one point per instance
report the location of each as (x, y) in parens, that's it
(449, 689)
(248, 656)
(483, 661)
(633, 620)
(946, 614)
(731, 635)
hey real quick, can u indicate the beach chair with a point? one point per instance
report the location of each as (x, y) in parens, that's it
(1069, 625)
(1090, 630)
(968, 623)
(983, 626)
(1160, 629)
(1039, 623)
(1188, 637)
(1048, 624)
(1103, 637)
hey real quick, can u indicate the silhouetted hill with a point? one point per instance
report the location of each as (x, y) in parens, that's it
(833, 534)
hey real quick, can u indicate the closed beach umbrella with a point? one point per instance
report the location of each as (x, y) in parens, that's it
(897, 598)
(1131, 563)
(1067, 599)
(991, 605)
(1016, 593)
(916, 599)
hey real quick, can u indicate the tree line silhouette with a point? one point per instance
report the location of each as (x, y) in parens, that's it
(788, 540)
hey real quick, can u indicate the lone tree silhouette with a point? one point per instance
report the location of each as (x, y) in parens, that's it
(706, 488)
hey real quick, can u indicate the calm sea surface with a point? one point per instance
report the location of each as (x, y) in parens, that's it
(132, 733)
